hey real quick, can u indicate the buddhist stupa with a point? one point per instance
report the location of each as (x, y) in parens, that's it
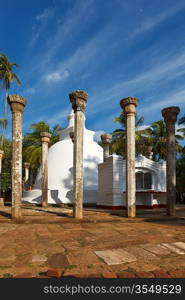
(60, 169)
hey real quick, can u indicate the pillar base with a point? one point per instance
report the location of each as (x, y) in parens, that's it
(1, 202)
(16, 214)
(78, 215)
(131, 211)
(44, 204)
(171, 213)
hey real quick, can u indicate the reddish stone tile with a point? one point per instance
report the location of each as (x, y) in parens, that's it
(125, 274)
(144, 275)
(57, 273)
(24, 275)
(109, 275)
(177, 274)
(161, 274)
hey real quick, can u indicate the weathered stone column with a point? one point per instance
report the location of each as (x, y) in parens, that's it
(78, 100)
(45, 139)
(17, 104)
(129, 105)
(1, 158)
(170, 117)
(26, 177)
(106, 138)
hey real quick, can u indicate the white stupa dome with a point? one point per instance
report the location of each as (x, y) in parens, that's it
(60, 169)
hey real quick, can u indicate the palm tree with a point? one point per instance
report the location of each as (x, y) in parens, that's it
(7, 76)
(157, 132)
(118, 144)
(32, 146)
(182, 122)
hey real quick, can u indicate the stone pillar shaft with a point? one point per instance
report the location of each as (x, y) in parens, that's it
(1, 157)
(170, 117)
(17, 104)
(106, 145)
(45, 139)
(26, 174)
(130, 165)
(26, 177)
(78, 100)
(78, 165)
(129, 105)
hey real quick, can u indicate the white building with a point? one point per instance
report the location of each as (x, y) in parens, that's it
(60, 169)
(150, 183)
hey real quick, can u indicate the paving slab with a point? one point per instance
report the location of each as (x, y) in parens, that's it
(180, 245)
(140, 253)
(157, 249)
(115, 256)
(39, 258)
(173, 248)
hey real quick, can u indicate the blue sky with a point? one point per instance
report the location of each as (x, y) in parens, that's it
(110, 48)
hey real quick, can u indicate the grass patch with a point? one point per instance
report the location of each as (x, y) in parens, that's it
(131, 270)
(7, 275)
(5, 267)
(71, 267)
(30, 265)
(22, 254)
(89, 266)
(101, 259)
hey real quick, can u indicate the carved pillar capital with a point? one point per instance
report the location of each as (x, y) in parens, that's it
(129, 105)
(106, 138)
(78, 100)
(26, 165)
(170, 114)
(17, 103)
(45, 137)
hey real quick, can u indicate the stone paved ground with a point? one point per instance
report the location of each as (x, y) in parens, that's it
(151, 245)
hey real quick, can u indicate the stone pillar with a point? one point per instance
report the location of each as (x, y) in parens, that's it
(170, 117)
(129, 105)
(78, 100)
(26, 177)
(17, 104)
(45, 139)
(1, 158)
(106, 138)
(148, 152)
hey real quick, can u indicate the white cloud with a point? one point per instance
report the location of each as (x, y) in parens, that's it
(172, 99)
(59, 117)
(156, 20)
(30, 91)
(56, 76)
(47, 12)
(97, 135)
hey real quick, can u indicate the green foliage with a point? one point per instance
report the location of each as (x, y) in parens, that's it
(118, 143)
(7, 275)
(6, 76)
(32, 149)
(6, 166)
